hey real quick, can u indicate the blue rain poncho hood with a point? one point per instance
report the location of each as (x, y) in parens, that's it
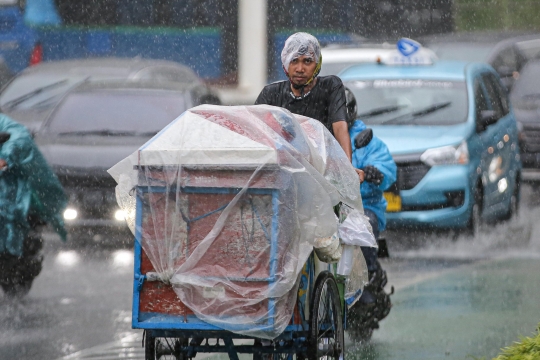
(376, 153)
(28, 186)
(301, 44)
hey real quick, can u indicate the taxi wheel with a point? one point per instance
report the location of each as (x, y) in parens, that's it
(475, 221)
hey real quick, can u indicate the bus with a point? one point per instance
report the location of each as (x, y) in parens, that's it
(196, 33)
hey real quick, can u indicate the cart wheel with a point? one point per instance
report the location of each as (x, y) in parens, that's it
(149, 346)
(326, 337)
(161, 348)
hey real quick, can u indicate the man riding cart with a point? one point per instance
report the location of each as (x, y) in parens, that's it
(324, 98)
(227, 205)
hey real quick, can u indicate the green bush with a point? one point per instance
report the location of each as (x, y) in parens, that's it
(526, 349)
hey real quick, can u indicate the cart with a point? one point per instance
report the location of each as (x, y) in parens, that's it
(227, 205)
(316, 328)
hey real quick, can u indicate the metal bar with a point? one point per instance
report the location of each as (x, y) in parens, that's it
(137, 253)
(233, 355)
(246, 349)
(203, 190)
(253, 279)
(289, 334)
(273, 251)
(209, 167)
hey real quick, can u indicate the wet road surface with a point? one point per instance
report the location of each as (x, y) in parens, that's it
(471, 312)
(80, 300)
(455, 298)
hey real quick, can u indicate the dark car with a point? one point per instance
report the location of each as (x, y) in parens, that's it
(506, 52)
(31, 95)
(95, 126)
(525, 97)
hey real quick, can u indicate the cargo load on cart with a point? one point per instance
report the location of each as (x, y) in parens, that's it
(227, 204)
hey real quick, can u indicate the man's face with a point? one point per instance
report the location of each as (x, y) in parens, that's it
(301, 69)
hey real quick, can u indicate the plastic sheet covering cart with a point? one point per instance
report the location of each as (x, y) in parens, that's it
(227, 205)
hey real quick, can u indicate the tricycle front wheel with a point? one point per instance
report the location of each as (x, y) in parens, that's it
(326, 335)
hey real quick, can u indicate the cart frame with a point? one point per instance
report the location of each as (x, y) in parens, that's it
(299, 337)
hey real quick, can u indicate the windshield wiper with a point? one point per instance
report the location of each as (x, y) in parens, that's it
(417, 114)
(379, 111)
(105, 132)
(18, 100)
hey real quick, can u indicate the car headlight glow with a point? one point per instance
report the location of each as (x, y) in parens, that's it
(70, 214)
(120, 215)
(446, 155)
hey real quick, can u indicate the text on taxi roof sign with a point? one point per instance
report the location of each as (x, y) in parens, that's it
(408, 52)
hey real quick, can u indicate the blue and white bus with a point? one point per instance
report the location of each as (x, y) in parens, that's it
(190, 32)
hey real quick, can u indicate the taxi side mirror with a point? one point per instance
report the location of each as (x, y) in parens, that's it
(4, 136)
(363, 138)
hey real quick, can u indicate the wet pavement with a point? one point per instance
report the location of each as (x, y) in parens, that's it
(81, 299)
(471, 312)
(456, 298)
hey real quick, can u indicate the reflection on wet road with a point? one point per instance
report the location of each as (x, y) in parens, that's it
(455, 297)
(81, 299)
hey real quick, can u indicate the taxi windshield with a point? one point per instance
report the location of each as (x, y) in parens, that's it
(410, 101)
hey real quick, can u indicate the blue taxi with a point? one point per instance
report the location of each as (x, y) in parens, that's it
(451, 130)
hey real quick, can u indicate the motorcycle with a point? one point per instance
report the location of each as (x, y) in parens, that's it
(30, 197)
(18, 272)
(364, 317)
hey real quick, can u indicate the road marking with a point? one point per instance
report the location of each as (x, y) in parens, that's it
(129, 347)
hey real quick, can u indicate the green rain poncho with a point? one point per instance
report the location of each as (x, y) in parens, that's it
(28, 186)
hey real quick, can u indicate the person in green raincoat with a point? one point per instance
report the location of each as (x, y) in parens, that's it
(28, 187)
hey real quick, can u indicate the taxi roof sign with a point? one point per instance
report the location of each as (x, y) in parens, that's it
(409, 52)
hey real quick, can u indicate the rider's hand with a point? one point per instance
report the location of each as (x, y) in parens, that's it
(361, 175)
(373, 175)
(3, 164)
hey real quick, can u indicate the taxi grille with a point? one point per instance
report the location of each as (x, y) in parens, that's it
(530, 140)
(410, 174)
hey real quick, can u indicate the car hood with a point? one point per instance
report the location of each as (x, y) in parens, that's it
(31, 118)
(416, 139)
(83, 154)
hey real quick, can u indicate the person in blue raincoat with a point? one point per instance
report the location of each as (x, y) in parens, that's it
(371, 155)
(380, 173)
(28, 189)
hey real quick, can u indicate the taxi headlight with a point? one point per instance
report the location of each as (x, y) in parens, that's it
(446, 155)
(70, 214)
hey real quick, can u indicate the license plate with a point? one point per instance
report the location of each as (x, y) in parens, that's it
(394, 202)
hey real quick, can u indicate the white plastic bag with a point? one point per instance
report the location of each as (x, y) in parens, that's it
(356, 230)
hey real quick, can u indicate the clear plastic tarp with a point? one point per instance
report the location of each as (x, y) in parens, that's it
(228, 204)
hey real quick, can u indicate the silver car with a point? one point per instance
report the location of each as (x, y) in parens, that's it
(31, 95)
